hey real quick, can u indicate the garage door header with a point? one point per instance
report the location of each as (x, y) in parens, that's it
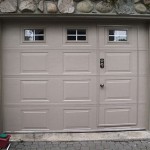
(77, 7)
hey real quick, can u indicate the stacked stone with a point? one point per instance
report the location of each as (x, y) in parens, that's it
(142, 6)
(75, 6)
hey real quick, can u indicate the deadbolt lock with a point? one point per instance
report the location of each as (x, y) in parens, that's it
(102, 63)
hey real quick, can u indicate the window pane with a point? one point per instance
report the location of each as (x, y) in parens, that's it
(76, 35)
(39, 31)
(111, 32)
(111, 38)
(81, 38)
(71, 38)
(40, 38)
(117, 35)
(29, 32)
(29, 35)
(34, 35)
(81, 31)
(71, 31)
(28, 38)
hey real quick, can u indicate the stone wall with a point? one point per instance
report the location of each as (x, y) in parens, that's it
(129, 7)
(1, 121)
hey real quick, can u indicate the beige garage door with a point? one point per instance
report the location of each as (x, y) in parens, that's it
(72, 77)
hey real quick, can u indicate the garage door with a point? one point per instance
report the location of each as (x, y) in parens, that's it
(73, 77)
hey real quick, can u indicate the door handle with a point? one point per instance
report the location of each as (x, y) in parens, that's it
(102, 63)
(102, 85)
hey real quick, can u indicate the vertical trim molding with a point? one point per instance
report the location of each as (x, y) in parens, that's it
(1, 112)
(149, 78)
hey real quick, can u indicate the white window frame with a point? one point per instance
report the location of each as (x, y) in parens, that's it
(33, 28)
(76, 35)
(119, 29)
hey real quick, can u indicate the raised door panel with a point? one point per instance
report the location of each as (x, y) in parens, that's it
(117, 115)
(34, 90)
(78, 118)
(35, 119)
(34, 63)
(76, 62)
(77, 90)
(119, 63)
(49, 118)
(118, 90)
(27, 118)
(62, 90)
(59, 62)
(25, 91)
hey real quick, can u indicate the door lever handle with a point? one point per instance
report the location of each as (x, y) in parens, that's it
(102, 85)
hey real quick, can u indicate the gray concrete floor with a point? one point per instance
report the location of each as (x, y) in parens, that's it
(93, 136)
(128, 140)
(83, 145)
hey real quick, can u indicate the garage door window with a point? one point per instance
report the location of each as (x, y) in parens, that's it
(117, 35)
(75, 35)
(33, 35)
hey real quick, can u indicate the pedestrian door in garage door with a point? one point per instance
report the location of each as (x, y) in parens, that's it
(71, 77)
(118, 76)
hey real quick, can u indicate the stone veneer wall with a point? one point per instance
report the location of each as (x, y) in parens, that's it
(1, 123)
(100, 7)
